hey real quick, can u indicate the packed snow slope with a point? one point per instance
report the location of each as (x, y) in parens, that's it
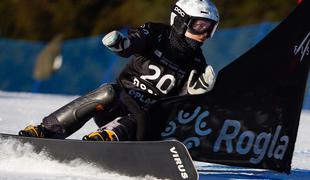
(18, 162)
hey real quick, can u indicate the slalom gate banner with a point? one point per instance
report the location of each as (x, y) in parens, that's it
(251, 116)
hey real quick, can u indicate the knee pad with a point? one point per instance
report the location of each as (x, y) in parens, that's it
(75, 114)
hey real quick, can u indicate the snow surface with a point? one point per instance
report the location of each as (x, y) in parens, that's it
(19, 162)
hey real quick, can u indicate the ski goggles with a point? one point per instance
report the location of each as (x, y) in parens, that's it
(201, 25)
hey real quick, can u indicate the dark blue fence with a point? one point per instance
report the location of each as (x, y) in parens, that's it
(87, 63)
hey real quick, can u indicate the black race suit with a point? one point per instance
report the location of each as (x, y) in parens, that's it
(160, 66)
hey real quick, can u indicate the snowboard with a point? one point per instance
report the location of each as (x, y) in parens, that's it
(161, 159)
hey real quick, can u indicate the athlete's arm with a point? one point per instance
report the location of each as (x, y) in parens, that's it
(137, 41)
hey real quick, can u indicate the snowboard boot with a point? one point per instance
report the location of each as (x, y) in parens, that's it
(101, 135)
(33, 131)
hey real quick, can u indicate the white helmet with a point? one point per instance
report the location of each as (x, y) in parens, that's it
(185, 12)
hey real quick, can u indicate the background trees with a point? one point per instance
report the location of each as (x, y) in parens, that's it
(43, 19)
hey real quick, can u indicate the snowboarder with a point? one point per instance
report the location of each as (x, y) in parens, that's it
(167, 60)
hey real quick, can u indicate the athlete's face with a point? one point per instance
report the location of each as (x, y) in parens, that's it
(197, 37)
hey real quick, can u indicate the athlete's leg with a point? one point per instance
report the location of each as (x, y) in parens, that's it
(128, 127)
(71, 117)
(121, 129)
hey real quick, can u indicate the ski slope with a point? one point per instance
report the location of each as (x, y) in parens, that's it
(18, 162)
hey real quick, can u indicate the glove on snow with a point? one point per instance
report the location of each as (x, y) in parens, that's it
(116, 41)
(203, 84)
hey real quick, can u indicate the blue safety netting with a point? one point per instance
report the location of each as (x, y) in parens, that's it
(87, 63)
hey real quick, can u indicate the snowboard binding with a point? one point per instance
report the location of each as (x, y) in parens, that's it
(33, 131)
(101, 135)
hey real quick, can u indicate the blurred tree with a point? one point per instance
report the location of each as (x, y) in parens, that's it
(48, 60)
(242, 12)
(7, 17)
(43, 19)
(133, 13)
